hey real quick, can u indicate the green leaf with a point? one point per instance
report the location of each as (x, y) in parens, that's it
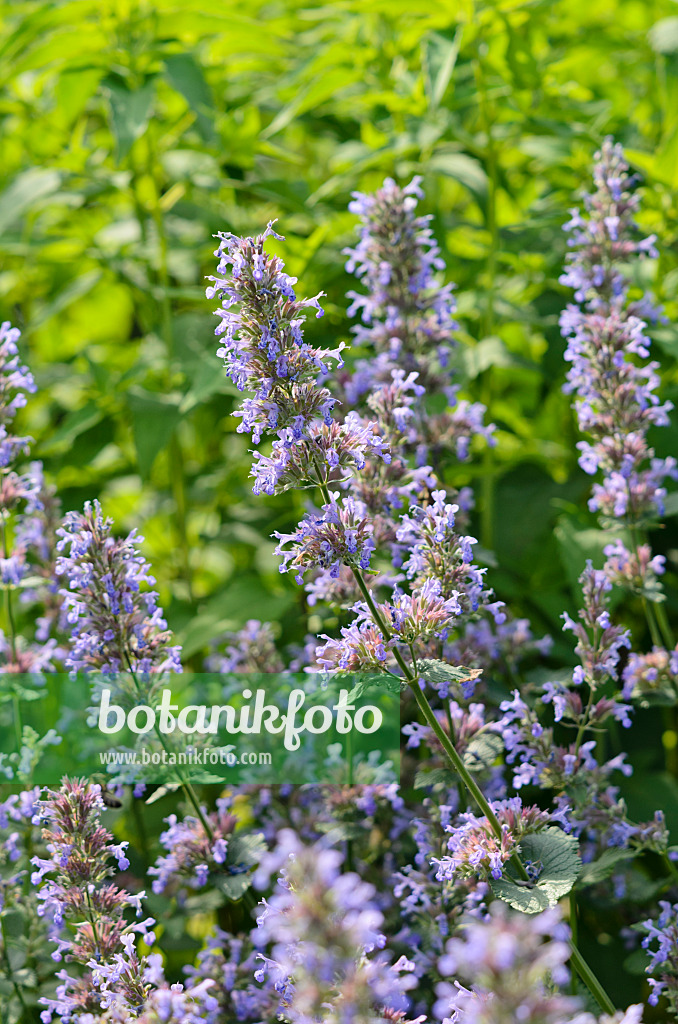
(637, 962)
(233, 886)
(464, 169)
(324, 87)
(438, 672)
(671, 505)
(576, 546)
(73, 291)
(130, 112)
(441, 57)
(374, 680)
(245, 849)
(74, 424)
(490, 352)
(187, 78)
(154, 417)
(16, 956)
(340, 832)
(482, 751)
(25, 191)
(435, 777)
(600, 869)
(14, 923)
(559, 857)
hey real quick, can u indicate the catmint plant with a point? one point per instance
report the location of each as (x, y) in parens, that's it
(75, 892)
(26, 537)
(408, 628)
(325, 932)
(512, 965)
(607, 345)
(117, 627)
(661, 944)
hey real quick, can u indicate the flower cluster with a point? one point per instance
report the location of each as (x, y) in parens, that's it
(16, 381)
(227, 965)
(116, 626)
(616, 399)
(436, 552)
(74, 888)
(194, 855)
(664, 958)
(652, 673)
(23, 494)
(595, 811)
(250, 649)
(407, 619)
(264, 352)
(513, 963)
(341, 535)
(473, 847)
(408, 319)
(599, 641)
(405, 312)
(325, 932)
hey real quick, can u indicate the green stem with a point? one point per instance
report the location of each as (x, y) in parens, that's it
(18, 727)
(580, 965)
(651, 622)
(8, 595)
(185, 784)
(10, 972)
(663, 622)
(590, 980)
(573, 930)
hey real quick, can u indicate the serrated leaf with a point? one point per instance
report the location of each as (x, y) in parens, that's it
(601, 868)
(233, 886)
(204, 902)
(16, 957)
(341, 831)
(25, 978)
(375, 680)
(435, 777)
(438, 672)
(482, 751)
(246, 849)
(558, 854)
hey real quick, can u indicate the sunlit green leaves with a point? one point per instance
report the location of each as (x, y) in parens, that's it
(131, 136)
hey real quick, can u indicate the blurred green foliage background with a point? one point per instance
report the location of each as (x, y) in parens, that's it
(131, 132)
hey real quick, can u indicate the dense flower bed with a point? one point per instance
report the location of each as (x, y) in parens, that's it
(464, 893)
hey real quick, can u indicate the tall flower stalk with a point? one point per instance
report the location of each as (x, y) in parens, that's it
(118, 630)
(266, 353)
(616, 401)
(614, 387)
